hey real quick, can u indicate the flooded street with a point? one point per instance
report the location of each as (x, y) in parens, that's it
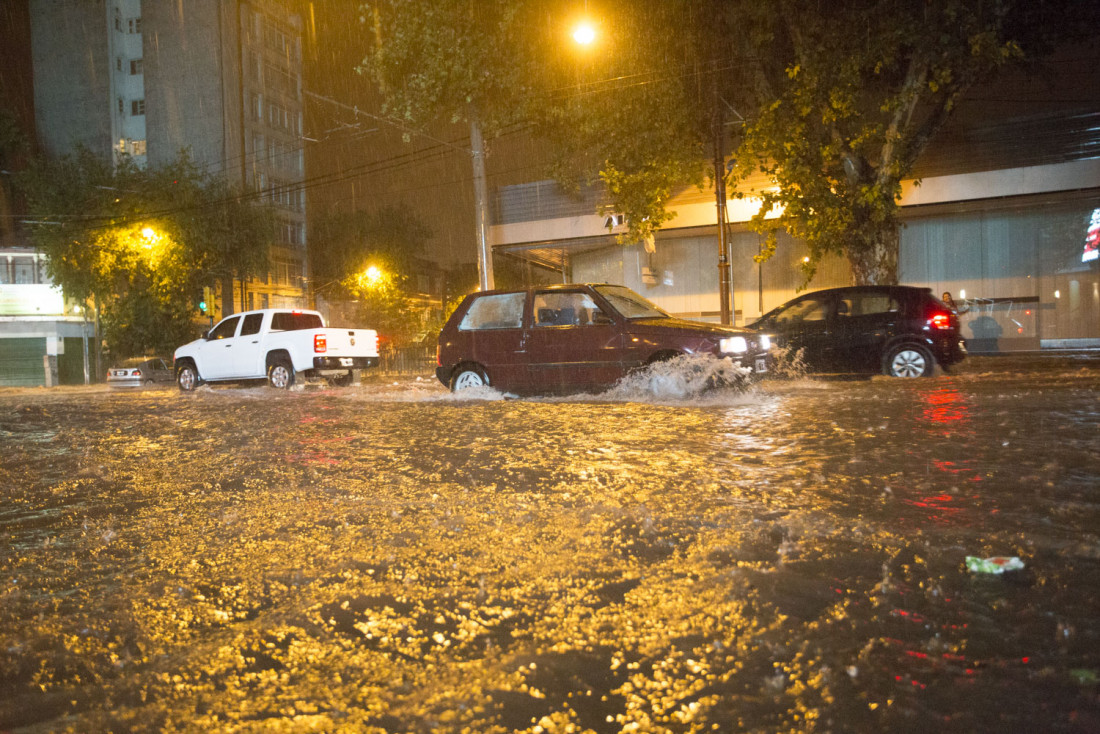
(387, 558)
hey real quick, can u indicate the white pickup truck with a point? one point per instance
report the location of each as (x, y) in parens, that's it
(276, 344)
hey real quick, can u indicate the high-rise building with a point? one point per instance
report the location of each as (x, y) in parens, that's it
(221, 79)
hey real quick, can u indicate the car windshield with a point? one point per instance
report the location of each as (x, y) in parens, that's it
(629, 303)
(134, 362)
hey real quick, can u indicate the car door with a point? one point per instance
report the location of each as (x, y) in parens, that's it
(803, 324)
(160, 371)
(247, 350)
(492, 334)
(572, 342)
(865, 320)
(215, 355)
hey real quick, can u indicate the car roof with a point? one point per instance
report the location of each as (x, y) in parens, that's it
(545, 287)
(881, 288)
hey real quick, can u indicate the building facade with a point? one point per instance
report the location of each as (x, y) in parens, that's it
(1017, 247)
(220, 79)
(44, 340)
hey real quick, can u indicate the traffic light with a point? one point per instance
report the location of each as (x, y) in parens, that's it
(206, 303)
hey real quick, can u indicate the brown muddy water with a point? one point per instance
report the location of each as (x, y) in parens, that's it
(388, 558)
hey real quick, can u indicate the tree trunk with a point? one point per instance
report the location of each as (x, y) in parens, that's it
(874, 261)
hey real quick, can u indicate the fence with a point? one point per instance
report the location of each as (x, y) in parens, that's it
(415, 360)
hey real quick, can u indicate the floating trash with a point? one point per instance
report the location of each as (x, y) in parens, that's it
(996, 564)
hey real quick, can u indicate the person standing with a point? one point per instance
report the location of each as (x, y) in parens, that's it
(952, 305)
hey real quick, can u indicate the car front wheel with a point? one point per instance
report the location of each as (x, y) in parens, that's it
(908, 360)
(187, 378)
(280, 375)
(468, 377)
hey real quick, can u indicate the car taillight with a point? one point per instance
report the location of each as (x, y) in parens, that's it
(940, 320)
(438, 355)
(137, 373)
(320, 343)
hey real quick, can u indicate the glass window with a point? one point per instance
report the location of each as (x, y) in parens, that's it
(226, 329)
(503, 311)
(252, 323)
(808, 309)
(629, 303)
(291, 321)
(137, 107)
(24, 270)
(866, 304)
(553, 308)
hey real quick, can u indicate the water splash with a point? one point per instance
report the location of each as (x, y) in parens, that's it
(681, 378)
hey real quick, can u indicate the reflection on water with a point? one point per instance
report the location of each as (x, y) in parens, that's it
(393, 558)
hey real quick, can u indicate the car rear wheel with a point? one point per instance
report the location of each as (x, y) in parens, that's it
(280, 374)
(908, 360)
(467, 377)
(186, 377)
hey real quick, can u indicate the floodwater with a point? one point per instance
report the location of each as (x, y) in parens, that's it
(388, 558)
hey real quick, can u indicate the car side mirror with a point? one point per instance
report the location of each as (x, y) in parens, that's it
(601, 319)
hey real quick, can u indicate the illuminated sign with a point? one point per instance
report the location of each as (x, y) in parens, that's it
(31, 300)
(1092, 238)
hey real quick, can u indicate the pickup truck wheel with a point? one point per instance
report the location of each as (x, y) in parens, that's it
(468, 377)
(280, 374)
(186, 377)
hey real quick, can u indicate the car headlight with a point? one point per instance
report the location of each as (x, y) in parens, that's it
(765, 342)
(734, 345)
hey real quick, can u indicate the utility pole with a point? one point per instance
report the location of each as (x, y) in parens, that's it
(481, 205)
(720, 194)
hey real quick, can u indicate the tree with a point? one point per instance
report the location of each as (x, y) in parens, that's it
(369, 258)
(837, 100)
(848, 97)
(12, 145)
(140, 243)
(444, 60)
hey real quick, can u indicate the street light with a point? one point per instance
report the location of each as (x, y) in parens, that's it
(584, 34)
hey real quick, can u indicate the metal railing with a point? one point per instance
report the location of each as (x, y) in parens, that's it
(414, 360)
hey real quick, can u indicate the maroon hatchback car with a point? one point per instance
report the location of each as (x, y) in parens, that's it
(575, 337)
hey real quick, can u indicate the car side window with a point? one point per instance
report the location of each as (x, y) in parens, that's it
(252, 323)
(866, 304)
(808, 309)
(226, 329)
(500, 311)
(552, 308)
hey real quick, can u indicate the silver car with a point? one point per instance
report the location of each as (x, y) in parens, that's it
(141, 372)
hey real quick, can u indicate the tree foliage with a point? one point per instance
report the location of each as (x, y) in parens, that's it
(139, 244)
(369, 258)
(831, 103)
(847, 98)
(442, 59)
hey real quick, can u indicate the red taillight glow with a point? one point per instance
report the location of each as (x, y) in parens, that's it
(320, 343)
(940, 321)
(137, 373)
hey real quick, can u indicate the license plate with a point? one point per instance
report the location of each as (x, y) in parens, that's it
(761, 364)
(345, 361)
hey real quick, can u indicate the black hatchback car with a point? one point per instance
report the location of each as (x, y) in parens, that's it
(902, 331)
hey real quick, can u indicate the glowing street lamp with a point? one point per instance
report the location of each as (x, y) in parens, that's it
(584, 34)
